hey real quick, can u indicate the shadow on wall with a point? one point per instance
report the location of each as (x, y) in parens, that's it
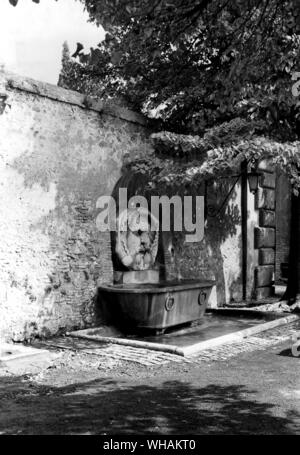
(219, 255)
(110, 407)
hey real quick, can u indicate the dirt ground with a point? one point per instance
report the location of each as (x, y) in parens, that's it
(254, 392)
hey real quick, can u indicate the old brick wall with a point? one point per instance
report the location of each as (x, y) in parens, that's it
(56, 158)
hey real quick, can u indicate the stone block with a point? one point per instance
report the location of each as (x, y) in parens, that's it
(265, 199)
(266, 256)
(21, 359)
(267, 180)
(266, 218)
(264, 275)
(264, 237)
(137, 276)
(264, 292)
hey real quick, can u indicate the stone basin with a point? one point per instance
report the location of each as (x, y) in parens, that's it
(157, 306)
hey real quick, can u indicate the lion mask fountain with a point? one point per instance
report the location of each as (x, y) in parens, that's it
(137, 239)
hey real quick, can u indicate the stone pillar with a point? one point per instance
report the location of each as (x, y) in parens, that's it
(264, 234)
(283, 223)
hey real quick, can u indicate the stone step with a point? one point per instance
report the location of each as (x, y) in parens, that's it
(20, 359)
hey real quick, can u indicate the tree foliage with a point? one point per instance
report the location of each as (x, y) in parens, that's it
(181, 161)
(73, 76)
(195, 64)
(201, 67)
(218, 74)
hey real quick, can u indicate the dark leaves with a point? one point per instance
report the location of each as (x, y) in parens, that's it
(79, 48)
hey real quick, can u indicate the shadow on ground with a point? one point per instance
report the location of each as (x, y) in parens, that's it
(114, 407)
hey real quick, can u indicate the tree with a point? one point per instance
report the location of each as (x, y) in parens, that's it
(203, 68)
(73, 75)
(195, 64)
(68, 68)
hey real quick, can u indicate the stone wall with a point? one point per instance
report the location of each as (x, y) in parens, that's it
(56, 158)
(265, 238)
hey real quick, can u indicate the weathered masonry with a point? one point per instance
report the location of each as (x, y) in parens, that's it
(56, 158)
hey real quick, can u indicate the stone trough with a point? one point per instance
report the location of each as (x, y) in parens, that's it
(157, 306)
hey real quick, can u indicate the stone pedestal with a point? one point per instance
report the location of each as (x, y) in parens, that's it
(136, 277)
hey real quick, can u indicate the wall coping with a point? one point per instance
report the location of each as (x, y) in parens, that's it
(51, 91)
